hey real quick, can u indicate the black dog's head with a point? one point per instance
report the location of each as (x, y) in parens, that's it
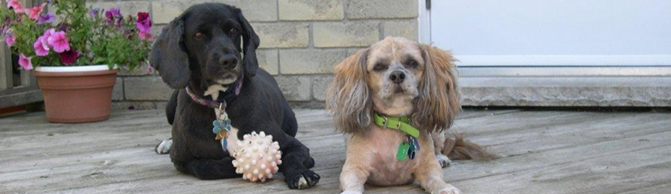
(203, 46)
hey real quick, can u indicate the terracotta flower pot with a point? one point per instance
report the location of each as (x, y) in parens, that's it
(76, 94)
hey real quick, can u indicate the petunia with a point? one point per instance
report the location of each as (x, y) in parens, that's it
(150, 69)
(69, 57)
(113, 13)
(94, 12)
(143, 25)
(46, 18)
(34, 13)
(143, 22)
(41, 49)
(113, 17)
(146, 36)
(10, 39)
(45, 37)
(59, 42)
(16, 6)
(25, 63)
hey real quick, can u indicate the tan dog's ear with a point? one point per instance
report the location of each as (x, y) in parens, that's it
(349, 96)
(438, 102)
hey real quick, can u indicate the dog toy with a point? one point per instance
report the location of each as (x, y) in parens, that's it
(257, 157)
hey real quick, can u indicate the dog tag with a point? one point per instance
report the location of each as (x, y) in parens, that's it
(415, 143)
(402, 153)
(412, 147)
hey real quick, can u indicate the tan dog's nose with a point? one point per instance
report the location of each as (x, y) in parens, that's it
(397, 77)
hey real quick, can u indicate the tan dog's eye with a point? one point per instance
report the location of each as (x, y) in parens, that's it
(379, 67)
(199, 35)
(411, 63)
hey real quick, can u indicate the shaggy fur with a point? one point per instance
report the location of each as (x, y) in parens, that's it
(461, 149)
(368, 82)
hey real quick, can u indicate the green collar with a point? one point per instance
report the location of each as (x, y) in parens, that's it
(398, 123)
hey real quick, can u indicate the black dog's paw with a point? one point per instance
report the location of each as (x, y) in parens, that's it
(310, 162)
(302, 180)
(164, 146)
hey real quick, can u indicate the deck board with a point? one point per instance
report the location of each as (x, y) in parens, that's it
(542, 152)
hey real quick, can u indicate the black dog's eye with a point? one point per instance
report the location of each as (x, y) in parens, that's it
(199, 35)
(411, 63)
(233, 31)
(379, 67)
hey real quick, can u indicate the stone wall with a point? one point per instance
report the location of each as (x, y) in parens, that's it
(301, 41)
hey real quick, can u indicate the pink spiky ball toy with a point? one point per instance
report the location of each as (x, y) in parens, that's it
(257, 157)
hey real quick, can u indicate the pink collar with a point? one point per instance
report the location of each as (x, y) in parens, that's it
(228, 96)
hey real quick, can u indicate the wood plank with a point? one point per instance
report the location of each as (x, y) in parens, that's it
(5, 66)
(544, 152)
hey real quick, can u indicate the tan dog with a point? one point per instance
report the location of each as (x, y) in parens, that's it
(395, 77)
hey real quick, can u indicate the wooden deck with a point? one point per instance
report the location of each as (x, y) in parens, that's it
(543, 152)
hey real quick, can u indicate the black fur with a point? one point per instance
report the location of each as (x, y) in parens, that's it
(184, 59)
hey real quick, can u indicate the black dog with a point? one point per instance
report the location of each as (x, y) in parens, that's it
(200, 49)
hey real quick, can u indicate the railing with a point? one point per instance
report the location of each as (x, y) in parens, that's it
(17, 87)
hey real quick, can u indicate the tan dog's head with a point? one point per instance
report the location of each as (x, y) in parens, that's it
(395, 77)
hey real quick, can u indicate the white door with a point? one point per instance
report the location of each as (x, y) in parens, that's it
(553, 37)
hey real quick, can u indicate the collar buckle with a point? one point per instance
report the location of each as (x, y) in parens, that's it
(398, 125)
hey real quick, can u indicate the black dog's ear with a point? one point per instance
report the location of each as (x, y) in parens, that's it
(250, 43)
(169, 57)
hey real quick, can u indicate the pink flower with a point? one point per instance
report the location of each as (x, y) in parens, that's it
(34, 13)
(16, 5)
(146, 36)
(10, 39)
(41, 49)
(69, 57)
(113, 13)
(48, 33)
(150, 69)
(113, 17)
(59, 42)
(25, 62)
(143, 25)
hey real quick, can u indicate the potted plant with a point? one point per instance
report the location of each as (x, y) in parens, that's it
(77, 58)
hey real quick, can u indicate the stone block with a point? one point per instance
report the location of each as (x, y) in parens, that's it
(352, 34)
(295, 88)
(117, 92)
(146, 88)
(407, 29)
(283, 35)
(320, 87)
(268, 60)
(303, 10)
(126, 7)
(310, 61)
(374, 9)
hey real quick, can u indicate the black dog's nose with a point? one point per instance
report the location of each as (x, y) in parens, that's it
(397, 77)
(228, 61)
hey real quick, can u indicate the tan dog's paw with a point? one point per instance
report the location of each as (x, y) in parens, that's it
(351, 192)
(443, 160)
(448, 190)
